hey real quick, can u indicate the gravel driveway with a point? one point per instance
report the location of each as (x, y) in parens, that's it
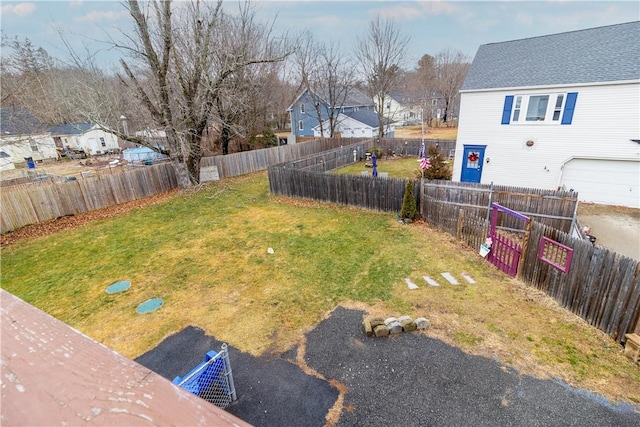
(404, 380)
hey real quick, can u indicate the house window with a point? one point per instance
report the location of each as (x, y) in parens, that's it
(434, 102)
(516, 109)
(558, 108)
(300, 125)
(34, 145)
(102, 142)
(537, 108)
(544, 108)
(302, 108)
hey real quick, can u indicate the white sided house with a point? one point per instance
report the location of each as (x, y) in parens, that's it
(23, 139)
(557, 111)
(356, 124)
(401, 108)
(89, 137)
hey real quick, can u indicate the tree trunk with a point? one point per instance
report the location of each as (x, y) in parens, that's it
(225, 136)
(182, 173)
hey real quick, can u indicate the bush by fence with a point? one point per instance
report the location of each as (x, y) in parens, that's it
(39, 202)
(601, 286)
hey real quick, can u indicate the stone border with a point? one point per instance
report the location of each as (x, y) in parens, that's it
(378, 327)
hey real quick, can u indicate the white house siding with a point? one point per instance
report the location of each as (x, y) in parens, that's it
(348, 128)
(19, 147)
(91, 141)
(605, 119)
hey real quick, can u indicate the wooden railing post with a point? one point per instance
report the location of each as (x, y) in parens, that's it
(460, 224)
(525, 248)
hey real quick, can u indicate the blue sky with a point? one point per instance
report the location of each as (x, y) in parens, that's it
(432, 25)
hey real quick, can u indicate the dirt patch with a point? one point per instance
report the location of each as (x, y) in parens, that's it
(614, 227)
(69, 222)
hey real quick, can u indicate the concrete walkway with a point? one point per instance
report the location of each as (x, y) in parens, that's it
(404, 380)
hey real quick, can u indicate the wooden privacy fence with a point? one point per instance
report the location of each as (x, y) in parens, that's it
(554, 208)
(600, 286)
(258, 160)
(382, 194)
(411, 147)
(35, 203)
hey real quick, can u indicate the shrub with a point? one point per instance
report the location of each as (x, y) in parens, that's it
(439, 168)
(409, 209)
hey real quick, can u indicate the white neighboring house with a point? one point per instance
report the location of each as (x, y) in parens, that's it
(22, 136)
(89, 137)
(356, 124)
(557, 111)
(401, 108)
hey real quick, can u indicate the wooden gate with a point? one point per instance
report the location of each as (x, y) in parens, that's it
(505, 253)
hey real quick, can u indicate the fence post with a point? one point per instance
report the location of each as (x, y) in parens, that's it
(460, 223)
(227, 372)
(490, 200)
(525, 248)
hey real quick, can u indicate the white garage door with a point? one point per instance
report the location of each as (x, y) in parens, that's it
(611, 182)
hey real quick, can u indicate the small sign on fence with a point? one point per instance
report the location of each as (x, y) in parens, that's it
(209, 173)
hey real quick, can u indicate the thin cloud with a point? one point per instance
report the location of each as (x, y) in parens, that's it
(99, 16)
(420, 9)
(20, 9)
(74, 4)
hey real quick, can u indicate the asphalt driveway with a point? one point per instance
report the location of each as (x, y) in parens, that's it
(405, 380)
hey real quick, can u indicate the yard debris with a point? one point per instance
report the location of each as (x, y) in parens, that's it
(270, 251)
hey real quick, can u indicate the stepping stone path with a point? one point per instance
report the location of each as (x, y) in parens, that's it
(448, 277)
(430, 281)
(468, 278)
(410, 284)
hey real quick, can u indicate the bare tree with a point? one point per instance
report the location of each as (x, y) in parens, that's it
(451, 70)
(381, 54)
(423, 83)
(327, 76)
(185, 60)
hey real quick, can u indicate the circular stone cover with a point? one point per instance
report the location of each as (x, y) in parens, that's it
(149, 305)
(120, 286)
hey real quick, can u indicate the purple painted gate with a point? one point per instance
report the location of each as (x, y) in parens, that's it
(505, 253)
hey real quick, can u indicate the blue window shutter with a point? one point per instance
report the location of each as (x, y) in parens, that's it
(506, 111)
(569, 106)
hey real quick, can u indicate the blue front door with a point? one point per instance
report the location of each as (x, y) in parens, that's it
(472, 161)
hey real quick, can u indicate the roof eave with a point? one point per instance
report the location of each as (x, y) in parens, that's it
(556, 86)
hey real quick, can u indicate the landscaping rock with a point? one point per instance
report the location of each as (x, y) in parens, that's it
(381, 331)
(375, 321)
(368, 330)
(407, 323)
(422, 323)
(394, 326)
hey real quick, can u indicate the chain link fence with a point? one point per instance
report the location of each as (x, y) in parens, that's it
(212, 380)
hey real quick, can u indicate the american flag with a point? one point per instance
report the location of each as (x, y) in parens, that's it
(424, 163)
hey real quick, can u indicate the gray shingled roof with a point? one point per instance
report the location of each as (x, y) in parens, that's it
(71, 129)
(18, 121)
(368, 117)
(594, 55)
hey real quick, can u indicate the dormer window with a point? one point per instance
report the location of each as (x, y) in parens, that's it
(544, 108)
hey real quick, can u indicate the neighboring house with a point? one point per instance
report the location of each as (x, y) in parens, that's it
(22, 137)
(304, 116)
(357, 124)
(561, 110)
(89, 137)
(401, 108)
